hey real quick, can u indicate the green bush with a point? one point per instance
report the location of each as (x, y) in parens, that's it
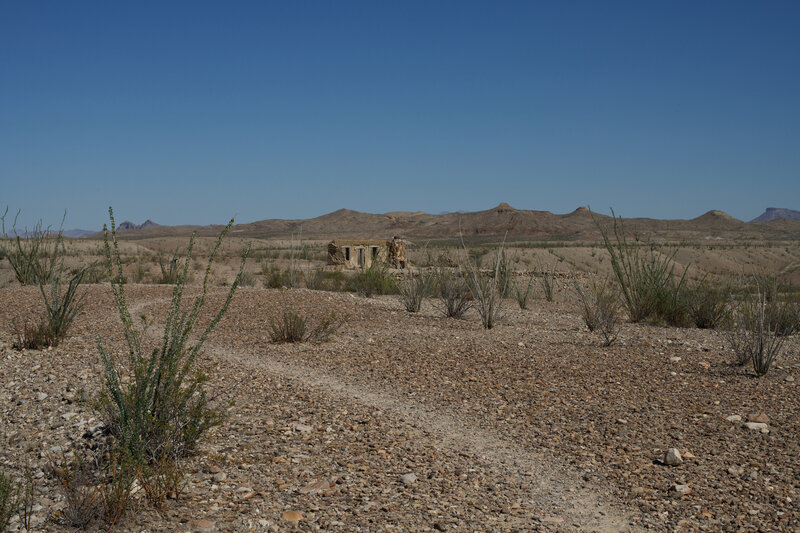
(377, 279)
(62, 306)
(322, 280)
(646, 276)
(35, 257)
(162, 410)
(707, 304)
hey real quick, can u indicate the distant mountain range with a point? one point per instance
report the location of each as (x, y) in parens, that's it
(130, 226)
(503, 219)
(773, 213)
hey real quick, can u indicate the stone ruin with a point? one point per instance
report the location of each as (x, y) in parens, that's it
(355, 253)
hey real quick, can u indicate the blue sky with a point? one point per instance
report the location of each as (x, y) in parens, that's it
(192, 112)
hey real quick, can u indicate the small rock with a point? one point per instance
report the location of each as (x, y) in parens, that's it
(733, 418)
(201, 525)
(219, 477)
(673, 457)
(316, 487)
(790, 379)
(675, 359)
(408, 479)
(757, 426)
(302, 428)
(214, 470)
(735, 470)
(682, 489)
(688, 455)
(760, 418)
(41, 396)
(292, 516)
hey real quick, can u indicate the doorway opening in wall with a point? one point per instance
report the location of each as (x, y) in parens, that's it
(374, 253)
(347, 253)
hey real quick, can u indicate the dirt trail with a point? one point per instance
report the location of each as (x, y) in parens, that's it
(578, 506)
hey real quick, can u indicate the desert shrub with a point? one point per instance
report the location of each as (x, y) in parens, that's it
(754, 334)
(377, 279)
(160, 479)
(600, 309)
(322, 280)
(293, 327)
(414, 289)
(31, 335)
(452, 291)
(162, 409)
(116, 486)
(522, 292)
(8, 496)
(247, 280)
(707, 304)
(34, 256)
(548, 281)
(275, 278)
(140, 273)
(16, 499)
(488, 289)
(76, 482)
(62, 306)
(94, 273)
(645, 273)
(169, 268)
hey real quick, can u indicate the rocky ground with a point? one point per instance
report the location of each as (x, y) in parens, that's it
(413, 422)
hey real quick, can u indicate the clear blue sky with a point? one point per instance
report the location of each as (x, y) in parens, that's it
(191, 112)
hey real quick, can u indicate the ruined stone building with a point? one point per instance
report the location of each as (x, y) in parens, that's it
(363, 253)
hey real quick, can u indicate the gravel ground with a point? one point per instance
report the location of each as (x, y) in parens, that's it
(410, 422)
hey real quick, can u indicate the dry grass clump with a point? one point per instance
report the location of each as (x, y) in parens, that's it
(600, 308)
(759, 325)
(293, 327)
(414, 289)
(452, 291)
(522, 292)
(489, 289)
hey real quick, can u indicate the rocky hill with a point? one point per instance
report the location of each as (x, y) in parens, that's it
(518, 224)
(773, 213)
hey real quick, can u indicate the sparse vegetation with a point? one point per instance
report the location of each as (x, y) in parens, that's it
(161, 410)
(293, 327)
(645, 272)
(756, 333)
(453, 292)
(34, 255)
(414, 289)
(600, 307)
(377, 279)
(548, 281)
(489, 289)
(522, 292)
(15, 499)
(707, 304)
